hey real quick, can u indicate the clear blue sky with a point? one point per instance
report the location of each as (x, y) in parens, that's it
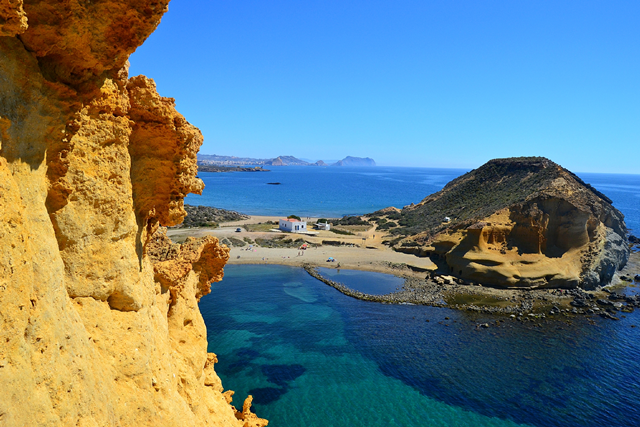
(408, 83)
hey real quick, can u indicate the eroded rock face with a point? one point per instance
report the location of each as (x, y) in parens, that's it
(523, 222)
(96, 329)
(13, 20)
(156, 125)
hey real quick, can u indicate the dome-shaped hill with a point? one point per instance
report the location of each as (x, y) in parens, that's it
(518, 222)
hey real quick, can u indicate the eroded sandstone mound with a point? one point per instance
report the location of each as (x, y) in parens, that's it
(518, 222)
(99, 322)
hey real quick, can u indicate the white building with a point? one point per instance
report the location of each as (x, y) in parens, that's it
(323, 226)
(292, 225)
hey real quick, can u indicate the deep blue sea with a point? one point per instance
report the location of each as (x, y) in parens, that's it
(335, 192)
(320, 191)
(312, 356)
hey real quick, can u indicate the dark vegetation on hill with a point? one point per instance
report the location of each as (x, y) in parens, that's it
(477, 194)
(205, 216)
(349, 220)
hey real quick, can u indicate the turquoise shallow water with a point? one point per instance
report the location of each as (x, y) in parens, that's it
(312, 356)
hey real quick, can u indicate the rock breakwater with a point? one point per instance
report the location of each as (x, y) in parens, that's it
(520, 304)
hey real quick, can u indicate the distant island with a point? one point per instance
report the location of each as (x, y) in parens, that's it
(355, 162)
(233, 161)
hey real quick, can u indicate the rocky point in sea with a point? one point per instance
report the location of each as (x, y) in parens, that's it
(521, 222)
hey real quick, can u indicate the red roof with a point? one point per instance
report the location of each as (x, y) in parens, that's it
(291, 220)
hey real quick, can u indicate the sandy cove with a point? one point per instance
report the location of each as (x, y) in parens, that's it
(382, 261)
(367, 253)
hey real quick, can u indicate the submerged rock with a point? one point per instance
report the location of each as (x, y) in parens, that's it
(518, 223)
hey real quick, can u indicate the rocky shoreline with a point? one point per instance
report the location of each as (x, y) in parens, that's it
(520, 305)
(215, 168)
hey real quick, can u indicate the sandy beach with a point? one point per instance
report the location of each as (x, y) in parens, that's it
(362, 251)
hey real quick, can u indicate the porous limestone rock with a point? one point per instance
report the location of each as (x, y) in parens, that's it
(155, 125)
(519, 222)
(97, 329)
(13, 20)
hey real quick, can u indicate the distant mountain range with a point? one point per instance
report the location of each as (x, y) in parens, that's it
(214, 159)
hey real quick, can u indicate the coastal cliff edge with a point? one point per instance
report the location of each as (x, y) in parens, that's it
(99, 318)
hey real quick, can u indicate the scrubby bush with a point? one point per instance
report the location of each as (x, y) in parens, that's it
(332, 243)
(281, 242)
(350, 220)
(237, 242)
(387, 225)
(394, 216)
(346, 233)
(205, 216)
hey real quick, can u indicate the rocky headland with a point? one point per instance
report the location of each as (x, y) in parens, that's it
(99, 320)
(515, 223)
(286, 161)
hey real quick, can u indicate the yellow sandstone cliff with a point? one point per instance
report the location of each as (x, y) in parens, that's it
(99, 321)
